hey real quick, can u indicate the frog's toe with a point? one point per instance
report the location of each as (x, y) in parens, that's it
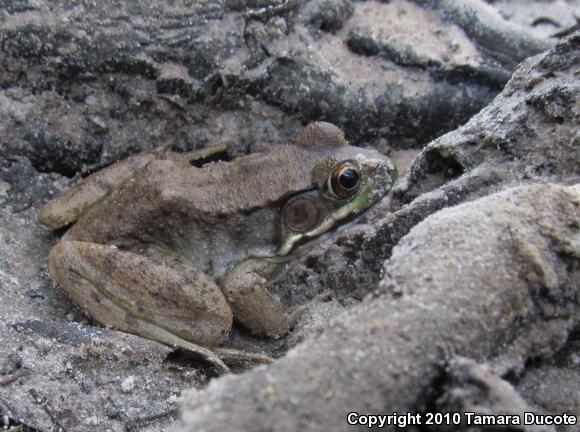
(233, 356)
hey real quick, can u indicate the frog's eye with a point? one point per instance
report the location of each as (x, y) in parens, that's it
(300, 214)
(344, 179)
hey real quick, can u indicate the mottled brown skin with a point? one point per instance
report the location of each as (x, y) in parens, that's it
(173, 252)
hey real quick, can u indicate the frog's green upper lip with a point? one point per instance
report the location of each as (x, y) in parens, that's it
(351, 209)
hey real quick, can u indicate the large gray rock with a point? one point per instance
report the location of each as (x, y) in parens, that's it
(478, 280)
(528, 133)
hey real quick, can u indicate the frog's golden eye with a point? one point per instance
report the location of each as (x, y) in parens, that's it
(344, 179)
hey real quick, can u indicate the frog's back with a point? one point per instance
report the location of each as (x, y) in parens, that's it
(200, 212)
(170, 189)
(248, 183)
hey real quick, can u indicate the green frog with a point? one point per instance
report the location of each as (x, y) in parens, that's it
(174, 246)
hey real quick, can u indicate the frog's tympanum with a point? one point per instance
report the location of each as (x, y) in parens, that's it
(172, 249)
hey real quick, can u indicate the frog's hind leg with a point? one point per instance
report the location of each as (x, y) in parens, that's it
(136, 294)
(182, 264)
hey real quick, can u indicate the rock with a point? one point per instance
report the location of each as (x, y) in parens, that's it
(128, 384)
(50, 152)
(241, 65)
(503, 145)
(4, 188)
(473, 391)
(507, 142)
(548, 388)
(174, 79)
(466, 281)
(328, 15)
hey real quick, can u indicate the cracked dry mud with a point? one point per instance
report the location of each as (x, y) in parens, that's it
(460, 293)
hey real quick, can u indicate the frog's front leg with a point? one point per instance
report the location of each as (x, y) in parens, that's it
(78, 200)
(253, 305)
(136, 294)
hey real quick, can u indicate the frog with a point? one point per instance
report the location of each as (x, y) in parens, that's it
(175, 246)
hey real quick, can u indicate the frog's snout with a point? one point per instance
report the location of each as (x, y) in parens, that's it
(380, 174)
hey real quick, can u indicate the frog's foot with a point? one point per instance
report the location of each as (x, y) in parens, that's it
(251, 302)
(139, 295)
(158, 334)
(254, 306)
